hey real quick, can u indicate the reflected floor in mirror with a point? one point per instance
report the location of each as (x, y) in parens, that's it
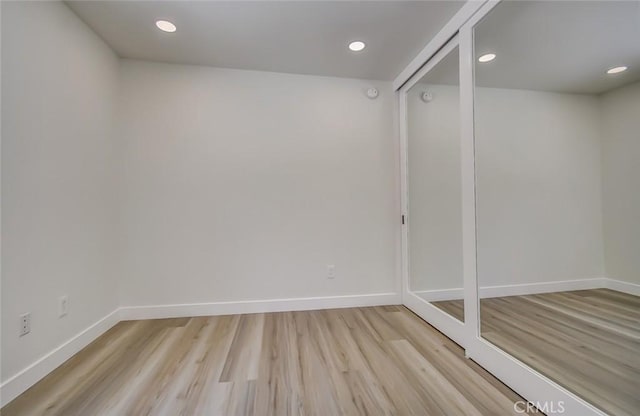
(361, 361)
(588, 341)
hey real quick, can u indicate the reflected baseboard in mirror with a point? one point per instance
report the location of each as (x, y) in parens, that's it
(587, 341)
(449, 301)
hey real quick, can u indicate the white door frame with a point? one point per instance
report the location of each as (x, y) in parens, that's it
(435, 316)
(531, 384)
(534, 386)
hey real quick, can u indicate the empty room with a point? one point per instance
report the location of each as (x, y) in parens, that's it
(320, 208)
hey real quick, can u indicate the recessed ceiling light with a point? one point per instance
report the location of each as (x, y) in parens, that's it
(616, 70)
(357, 46)
(487, 57)
(166, 26)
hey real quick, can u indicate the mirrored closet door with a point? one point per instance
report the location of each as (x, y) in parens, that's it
(557, 156)
(433, 184)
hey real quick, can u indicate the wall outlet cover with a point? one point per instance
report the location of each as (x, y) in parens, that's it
(25, 324)
(331, 271)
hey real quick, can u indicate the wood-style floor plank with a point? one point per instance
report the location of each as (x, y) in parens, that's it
(588, 341)
(361, 361)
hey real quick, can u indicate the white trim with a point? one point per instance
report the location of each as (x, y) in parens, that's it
(20, 382)
(436, 317)
(528, 289)
(398, 195)
(444, 322)
(468, 188)
(27, 377)
(440, 294)
(257, 306)
(527, 382)
(430, 64)
(542, 287)
(403, 124)
(443, 36)
(622, 286)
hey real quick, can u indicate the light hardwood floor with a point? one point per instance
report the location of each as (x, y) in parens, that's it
(362, 361)
(587, 341)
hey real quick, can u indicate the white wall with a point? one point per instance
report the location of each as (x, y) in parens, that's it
(59, 84)
(179, 184)
(243, 185)
(538, 164)
(435, 192)
(620, 111)
(539, 188)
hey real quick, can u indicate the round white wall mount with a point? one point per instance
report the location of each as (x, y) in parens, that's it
(426, 96)
(372, 93)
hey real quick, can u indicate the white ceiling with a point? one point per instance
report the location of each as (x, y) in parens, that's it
(305, 37)
(560, 46)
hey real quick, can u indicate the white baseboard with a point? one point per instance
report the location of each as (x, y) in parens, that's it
(20, 382)
(521, 289)
(621, 286)
(26, 378)
(441, 294)
(543, 287)
(257, 306)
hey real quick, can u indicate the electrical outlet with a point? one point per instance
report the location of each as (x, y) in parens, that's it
(331, 271)
(25, 324)
(63, 306)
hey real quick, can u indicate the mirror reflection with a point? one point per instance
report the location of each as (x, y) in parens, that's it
(557, 136)
(435, 230)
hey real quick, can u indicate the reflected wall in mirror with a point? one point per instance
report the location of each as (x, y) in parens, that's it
(434, 192)
(557, 142)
